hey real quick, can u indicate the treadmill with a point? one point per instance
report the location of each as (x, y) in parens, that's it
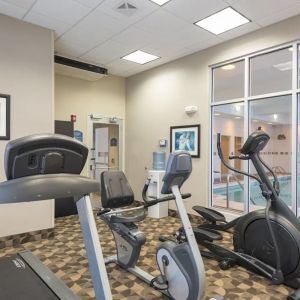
(41, 167)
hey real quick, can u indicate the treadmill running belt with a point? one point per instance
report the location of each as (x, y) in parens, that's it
(19, 282)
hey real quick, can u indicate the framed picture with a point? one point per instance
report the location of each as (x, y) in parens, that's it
(185, 138)
(4, 117)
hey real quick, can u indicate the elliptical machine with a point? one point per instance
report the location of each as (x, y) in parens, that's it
(266, 241)
(181, 266)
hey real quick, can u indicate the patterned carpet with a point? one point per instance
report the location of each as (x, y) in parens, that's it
(65, 256)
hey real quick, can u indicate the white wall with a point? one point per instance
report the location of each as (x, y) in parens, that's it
(26, 61)
(105, 97)
(156, 100)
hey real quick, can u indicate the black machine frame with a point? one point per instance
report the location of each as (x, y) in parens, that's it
(275, 227)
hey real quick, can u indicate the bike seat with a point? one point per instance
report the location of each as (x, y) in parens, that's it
(210, 235)
(209, 214)
(137, 217)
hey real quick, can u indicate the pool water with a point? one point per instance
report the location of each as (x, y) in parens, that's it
(236, 193)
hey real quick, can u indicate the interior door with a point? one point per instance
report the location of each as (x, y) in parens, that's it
(105, 144)
(237, 147)
(101, 151)
(225, 146)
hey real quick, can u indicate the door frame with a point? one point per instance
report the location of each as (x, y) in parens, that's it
(101, 119)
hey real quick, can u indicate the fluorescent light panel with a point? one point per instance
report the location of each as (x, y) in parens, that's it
(228, 67)
(140, 57)
(160, 2)
(286, 66)
(222, 21)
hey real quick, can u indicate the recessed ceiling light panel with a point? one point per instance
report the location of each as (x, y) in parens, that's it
(140, 57)
(160, 2)
(286, 66)
(228, 67)
(222, 21)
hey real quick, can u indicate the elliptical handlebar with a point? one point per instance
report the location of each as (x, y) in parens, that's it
(242, 157)
(153, 201)
(276, 184)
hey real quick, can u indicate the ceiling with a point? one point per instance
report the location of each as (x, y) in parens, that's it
(95, 31)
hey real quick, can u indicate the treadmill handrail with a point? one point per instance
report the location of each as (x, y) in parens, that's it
(46, 186)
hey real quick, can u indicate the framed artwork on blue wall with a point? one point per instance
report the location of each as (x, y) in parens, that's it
(185, 138)
(4, 117)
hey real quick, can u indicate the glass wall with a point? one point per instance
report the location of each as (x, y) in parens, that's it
(271, 72)
(258, 90)
(228, 187)
(229, 81)
(298, 155)
(274, 116)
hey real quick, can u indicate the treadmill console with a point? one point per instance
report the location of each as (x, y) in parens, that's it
(255, 142)
(44, 154)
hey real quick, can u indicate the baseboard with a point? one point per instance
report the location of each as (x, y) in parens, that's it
(22, 238)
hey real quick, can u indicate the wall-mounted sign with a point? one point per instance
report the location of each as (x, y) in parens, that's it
(73, 118)
(4, 117)
(113, 142)
(78, 135)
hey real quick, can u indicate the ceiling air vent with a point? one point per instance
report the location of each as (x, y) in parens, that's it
(126, 8)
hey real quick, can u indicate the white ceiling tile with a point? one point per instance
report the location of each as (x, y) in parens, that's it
(194, 10)
(134, 37)
(67, 11)
(161, 22)
(258, 9)
(66, 48)
(11, 10)
(186, 36)
(144, 8)
(21, 3)
(280, 15)
(93, 30)
(165, 51)
(58, 26)
(231, 1)
(241, 30)
(121, 65)
(205, 44)
(107, 52)
(90, 3)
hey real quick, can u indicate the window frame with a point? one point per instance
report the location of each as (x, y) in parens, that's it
(294, 92)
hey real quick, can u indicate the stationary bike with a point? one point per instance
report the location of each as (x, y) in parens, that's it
(181, 266)
(266, 241)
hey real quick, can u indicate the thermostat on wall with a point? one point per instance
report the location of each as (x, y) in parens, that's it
(163, 143)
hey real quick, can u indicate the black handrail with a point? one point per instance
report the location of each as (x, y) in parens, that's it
(153, 200)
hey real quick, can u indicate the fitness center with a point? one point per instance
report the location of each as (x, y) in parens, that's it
(149, 149)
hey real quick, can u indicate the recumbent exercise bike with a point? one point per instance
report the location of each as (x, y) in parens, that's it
(181, 266)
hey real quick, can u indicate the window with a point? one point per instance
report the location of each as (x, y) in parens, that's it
(229, 81)
(274, 116)
(271, 72)
(228, 187)
(298, 67)
(256, 91)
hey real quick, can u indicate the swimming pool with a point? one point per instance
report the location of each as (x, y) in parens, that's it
(235, 192)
